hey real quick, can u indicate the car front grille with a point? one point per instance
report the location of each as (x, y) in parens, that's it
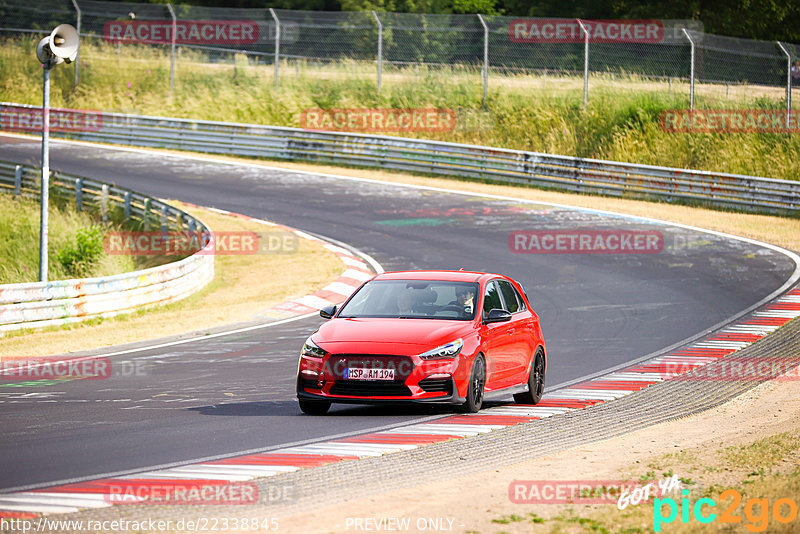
(402, 365)
(366, 388)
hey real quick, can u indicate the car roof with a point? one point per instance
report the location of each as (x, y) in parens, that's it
(447, 276)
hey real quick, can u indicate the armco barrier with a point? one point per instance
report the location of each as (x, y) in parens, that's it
(39, 304)
(433, 157)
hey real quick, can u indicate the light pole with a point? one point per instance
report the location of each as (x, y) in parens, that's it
(61, 45)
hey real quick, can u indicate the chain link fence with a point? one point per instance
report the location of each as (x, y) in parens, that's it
(569, 54)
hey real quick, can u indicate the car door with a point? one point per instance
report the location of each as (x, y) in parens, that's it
(499, 348)
(521, 332)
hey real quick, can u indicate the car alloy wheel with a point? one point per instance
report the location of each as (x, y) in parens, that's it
(535, 382)
(477, 383)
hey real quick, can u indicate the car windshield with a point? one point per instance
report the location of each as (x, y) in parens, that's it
(413, 299)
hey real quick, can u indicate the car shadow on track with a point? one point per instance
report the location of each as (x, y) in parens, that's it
(290, 408)
(243, 409)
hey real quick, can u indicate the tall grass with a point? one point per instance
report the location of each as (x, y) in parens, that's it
(523, 111)
(19, 250)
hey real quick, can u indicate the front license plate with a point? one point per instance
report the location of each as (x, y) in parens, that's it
(359, 373)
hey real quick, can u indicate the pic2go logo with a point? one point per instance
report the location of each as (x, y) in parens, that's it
(757, 511)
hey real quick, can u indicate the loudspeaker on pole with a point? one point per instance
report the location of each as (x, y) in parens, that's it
(61, 45)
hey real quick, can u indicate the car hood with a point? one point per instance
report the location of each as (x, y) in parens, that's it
(377, 335)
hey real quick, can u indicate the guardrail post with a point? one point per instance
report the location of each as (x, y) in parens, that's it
(277, 43)
(18, 180)
(585, 63)
(104, 202)
(691, 70)
(79, 194)
(146, 215)
(380, 48)
(127, 208)
(485, 58)
(788, 82)
(164, 219)
(52, 307)
(78, 28)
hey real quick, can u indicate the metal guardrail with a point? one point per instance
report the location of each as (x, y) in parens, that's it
(39, 304)
(629, 180)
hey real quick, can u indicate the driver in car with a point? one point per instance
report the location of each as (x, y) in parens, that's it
(464, 299)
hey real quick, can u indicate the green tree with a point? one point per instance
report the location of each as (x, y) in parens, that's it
(399, 6)
(767, 20)
(484, 7)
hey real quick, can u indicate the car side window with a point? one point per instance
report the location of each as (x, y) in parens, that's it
(509, 296)
(491, 299)
(522, 306)
(520, 297)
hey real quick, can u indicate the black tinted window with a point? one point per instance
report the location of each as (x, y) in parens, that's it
(509, 296)
(418, 299)
(491, 299)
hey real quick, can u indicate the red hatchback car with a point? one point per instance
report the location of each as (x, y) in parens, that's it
(452, 337)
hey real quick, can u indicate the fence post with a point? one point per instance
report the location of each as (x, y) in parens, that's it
(79, 194)
(380, 48)
(18, 180)
(146, 215)
(127, 208)
(104, 202)
(77, 54)
(788, 82)
(485, 58)
(172, 53)
(691, 71)
(164, 219)
(585, 63)
(277, 43)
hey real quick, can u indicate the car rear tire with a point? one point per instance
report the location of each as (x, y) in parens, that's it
(477, 384)
(311, 407)
(535, 382)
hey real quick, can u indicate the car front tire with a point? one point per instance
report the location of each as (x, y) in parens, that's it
(477, 384)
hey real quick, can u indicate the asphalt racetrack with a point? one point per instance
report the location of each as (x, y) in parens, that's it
(235, 393)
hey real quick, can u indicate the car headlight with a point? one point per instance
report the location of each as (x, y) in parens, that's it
(311, 349)
(448, 350)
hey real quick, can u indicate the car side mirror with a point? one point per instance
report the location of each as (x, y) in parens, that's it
(496, 315)
(327, 312)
